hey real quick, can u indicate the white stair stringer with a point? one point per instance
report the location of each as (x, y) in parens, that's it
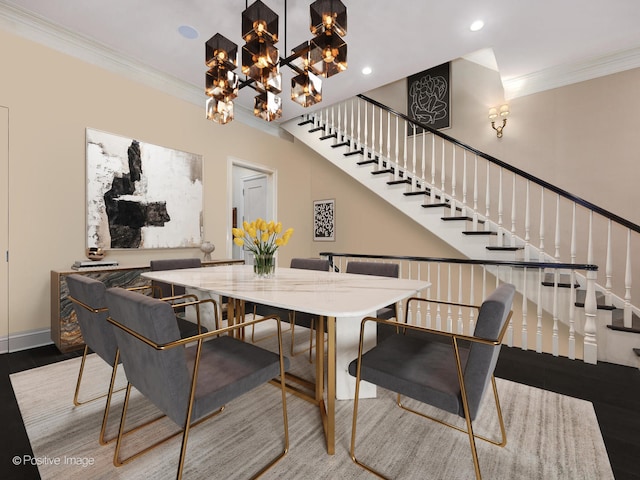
(609, 350)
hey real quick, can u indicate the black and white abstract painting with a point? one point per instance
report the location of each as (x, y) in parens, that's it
(141, 195)
(429, 97)
(324, 220)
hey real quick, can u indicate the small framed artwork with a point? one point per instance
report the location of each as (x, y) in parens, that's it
(429, 97)
(324, 220)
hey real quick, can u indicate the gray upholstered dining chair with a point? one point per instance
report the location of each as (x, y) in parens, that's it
(169, 291)
(192, 384)
(88, 298)
(294, 318)
(382, 270)
(89, 303)
(451, 376)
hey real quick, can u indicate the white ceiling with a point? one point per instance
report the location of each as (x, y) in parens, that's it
(537, 44)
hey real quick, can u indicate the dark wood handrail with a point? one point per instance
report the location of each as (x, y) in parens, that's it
(548, 186)
(467, 261)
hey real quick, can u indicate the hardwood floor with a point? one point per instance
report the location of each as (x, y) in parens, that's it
(614, 391)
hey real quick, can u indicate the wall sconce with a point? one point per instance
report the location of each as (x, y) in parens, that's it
(494, 113)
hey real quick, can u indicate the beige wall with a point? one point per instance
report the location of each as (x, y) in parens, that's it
(52, 98)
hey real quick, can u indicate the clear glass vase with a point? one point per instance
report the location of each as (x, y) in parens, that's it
(264, 266)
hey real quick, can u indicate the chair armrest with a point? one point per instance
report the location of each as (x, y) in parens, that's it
(454, 336)
(153, 288)
(200, 337)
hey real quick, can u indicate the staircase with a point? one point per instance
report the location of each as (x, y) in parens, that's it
(463, 196)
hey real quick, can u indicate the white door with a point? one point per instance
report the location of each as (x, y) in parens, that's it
(254, 191)
(4, 228)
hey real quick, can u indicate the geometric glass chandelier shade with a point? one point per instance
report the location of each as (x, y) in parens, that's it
(259, 21)
(328, 54)
(328, 15)
(220, 111)
(306, 89)
(267, 106)
(323, 56)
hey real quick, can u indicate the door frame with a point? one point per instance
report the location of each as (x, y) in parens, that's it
(233, 166)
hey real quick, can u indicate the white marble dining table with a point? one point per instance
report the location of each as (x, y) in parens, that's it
(341, 300)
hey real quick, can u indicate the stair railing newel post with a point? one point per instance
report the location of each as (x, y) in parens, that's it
(513, 212)
(500, 210)
(454, 208)
(609, 267)
(590, 312)
(525, 309)
(539, 312)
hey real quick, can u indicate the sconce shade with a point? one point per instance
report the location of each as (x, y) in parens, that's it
(267, 106)
(328, 15)
(220, 51)
(328, 54)
(493, 113)
(221, 84)
(219, 111)
(504, 110)
(306, 89)
(259, 21)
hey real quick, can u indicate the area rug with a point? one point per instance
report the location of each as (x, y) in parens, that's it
(550, 436)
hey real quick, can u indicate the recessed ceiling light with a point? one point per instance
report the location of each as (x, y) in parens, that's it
(477, 25)
(367, 71)
(188, 32)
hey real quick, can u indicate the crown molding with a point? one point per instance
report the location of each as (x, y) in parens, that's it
(38, 29)
(568, 74)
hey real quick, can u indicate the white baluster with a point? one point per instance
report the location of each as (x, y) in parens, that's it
(372, 149)
(449, 317)
(487, 199)
(404, 151)
(365, 145)
(525, 307)
(388, 139)
(423, 174)
(608, 268)
(428, 314)
(500, 230)
(443, 176)
(555, 344)
(464, 183)
(527, 225)
(438, 316)
(460, 322)
(628, 317)
(539, 314)
(396, 158)
(475, 193)
(572, 315)
(359, 128)
(590, 312)
(557, 253)
(381, 149)
(414, 173)
(453, 181)
(541, 247)
(433, 168)
(472, 301)
(513, 212)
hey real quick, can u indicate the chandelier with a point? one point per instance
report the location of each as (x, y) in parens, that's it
(323, 56)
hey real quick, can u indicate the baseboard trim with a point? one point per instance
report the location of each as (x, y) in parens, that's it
(25, 340)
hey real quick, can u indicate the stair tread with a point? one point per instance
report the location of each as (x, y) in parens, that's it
(456, 218)
(600, 300)
(354, 152)
(435, 205)
(384, 170)
(341, 144)
(316, 129)
(420, 192)
(504, 248)
(617, 322)
(399, 182)
(331, 135)
(479, 232)
(366, 162)
(564, 280)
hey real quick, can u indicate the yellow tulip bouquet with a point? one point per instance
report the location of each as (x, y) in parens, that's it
(262, 238)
